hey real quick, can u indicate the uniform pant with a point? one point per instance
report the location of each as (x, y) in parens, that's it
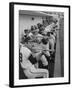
(33, 73)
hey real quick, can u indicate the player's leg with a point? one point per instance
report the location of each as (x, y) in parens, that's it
(42, 72)
(44, 60)
(35, 74)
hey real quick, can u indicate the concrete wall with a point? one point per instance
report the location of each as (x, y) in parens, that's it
(61, 36)
(59, 57)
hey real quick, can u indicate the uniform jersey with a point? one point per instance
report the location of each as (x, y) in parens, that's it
(48, 28)
(26, 64)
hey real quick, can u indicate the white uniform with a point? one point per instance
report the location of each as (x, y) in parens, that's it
(43, 58)
(37, 37)
(52, 41)
(29, 69)
(25, 54)
(49, 28)
(30, 34)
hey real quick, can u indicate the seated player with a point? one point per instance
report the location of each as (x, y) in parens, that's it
(28, 68)
(49, 27)
(36, 36)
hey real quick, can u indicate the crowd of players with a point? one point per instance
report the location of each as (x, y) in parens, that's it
(37, 47)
